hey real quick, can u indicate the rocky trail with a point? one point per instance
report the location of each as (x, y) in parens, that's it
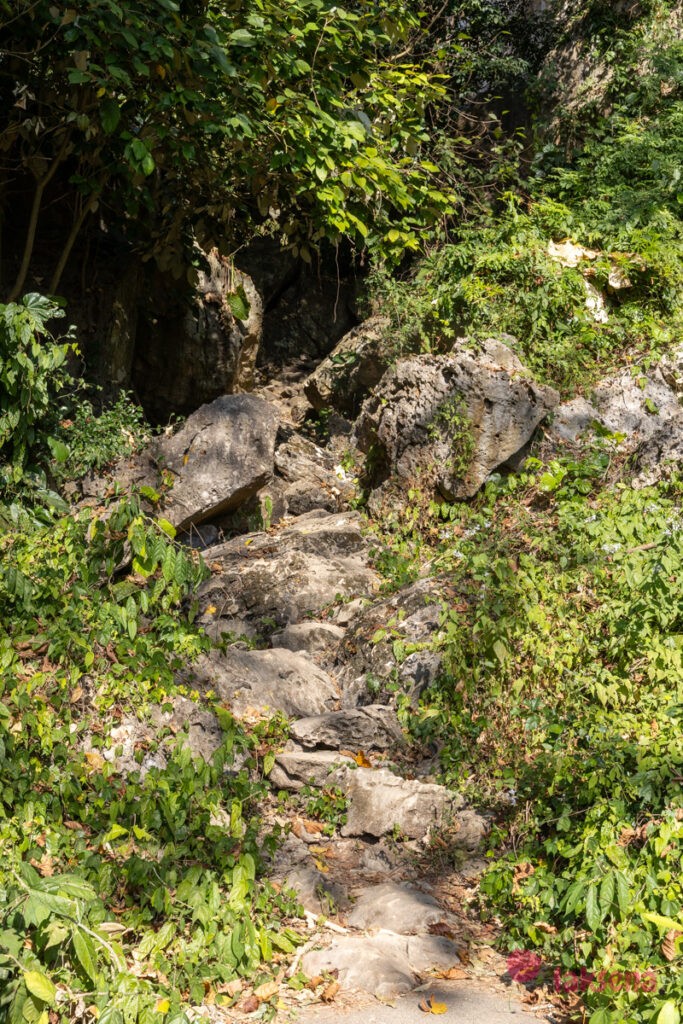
(303, 629)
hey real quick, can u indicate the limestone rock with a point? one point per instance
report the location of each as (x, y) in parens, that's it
(370, 728)
(313, 637)
(385, 964)
(274, 680)
(398, 908)
(380, 801)
(311, 478)
(286, 574)
(354, 367)
(195, 352)
(221, 456)
(452, 419)
(295, 769)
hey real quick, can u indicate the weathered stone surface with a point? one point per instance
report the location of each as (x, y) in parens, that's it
(384, 964)
(286, 574)
(221, 456)
(192, 353)
(312, 479)
(398, 908)
(380, 801)
(635, 405)
(275, 680)
(313, 637)
(476, 406)
(294, 769)
(370, 728)
(295, 868)
(358, 362)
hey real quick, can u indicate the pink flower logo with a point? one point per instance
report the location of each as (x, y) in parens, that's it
(524, 966)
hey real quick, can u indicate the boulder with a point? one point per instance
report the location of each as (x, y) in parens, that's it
(274, 680)
(295, 769)
(196, 351)
(307, 478)
(358, 362)
(220, 457)
(632, 403)
(316, 638)
(398, 908)
(386, 964)
(370, 728)
(284, 575)
(450, 420)
(379, 802)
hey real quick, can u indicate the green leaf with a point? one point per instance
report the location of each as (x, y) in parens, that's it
(110, 115)
(239, 303)
(85, 952)
(593, 917)
(669, 1013)
(40, 986)
(665, 924)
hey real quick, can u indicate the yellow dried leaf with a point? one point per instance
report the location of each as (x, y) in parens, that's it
(430, 1005)
(267, 990)
(162, 1006)
(211, 609)
(76, 694)
(320, 866)
(361, 760)
(95, 760)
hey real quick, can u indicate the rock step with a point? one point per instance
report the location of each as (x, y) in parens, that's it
(374, 727)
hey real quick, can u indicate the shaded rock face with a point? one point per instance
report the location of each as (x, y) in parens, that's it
(221, 456)
(354, 366)
(197, 350)
(281, 577)
(453, 419)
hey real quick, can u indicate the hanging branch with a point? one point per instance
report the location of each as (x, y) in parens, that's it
(41, 185)
(86, 207)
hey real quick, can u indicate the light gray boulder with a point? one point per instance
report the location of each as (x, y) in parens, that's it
(274, 680)
(450, 420)
(220, 458)
(398, 908)
(379, 802)
(374, 727)
(316, 638)
(386, 964)
(294, 769)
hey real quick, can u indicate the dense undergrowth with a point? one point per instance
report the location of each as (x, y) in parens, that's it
(560, 708)
(122, 896)
(616, 195)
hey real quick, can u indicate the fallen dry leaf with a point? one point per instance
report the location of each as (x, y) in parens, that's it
(313, 983)
(330, 991)
(321, 866)
(430, 1005)
(249, 1005)
(453, 974)
(669, 945)
(45, 866)
(95, 760)
(76, 694)
(267, 990)
(361, 760)
(441, 928)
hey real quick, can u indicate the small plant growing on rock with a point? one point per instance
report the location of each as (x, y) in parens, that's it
(452, 421)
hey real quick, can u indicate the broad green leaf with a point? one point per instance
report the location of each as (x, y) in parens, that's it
(593, 916)
(39, 985)
(239, 303)
(85, 952)
(669, 1013)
